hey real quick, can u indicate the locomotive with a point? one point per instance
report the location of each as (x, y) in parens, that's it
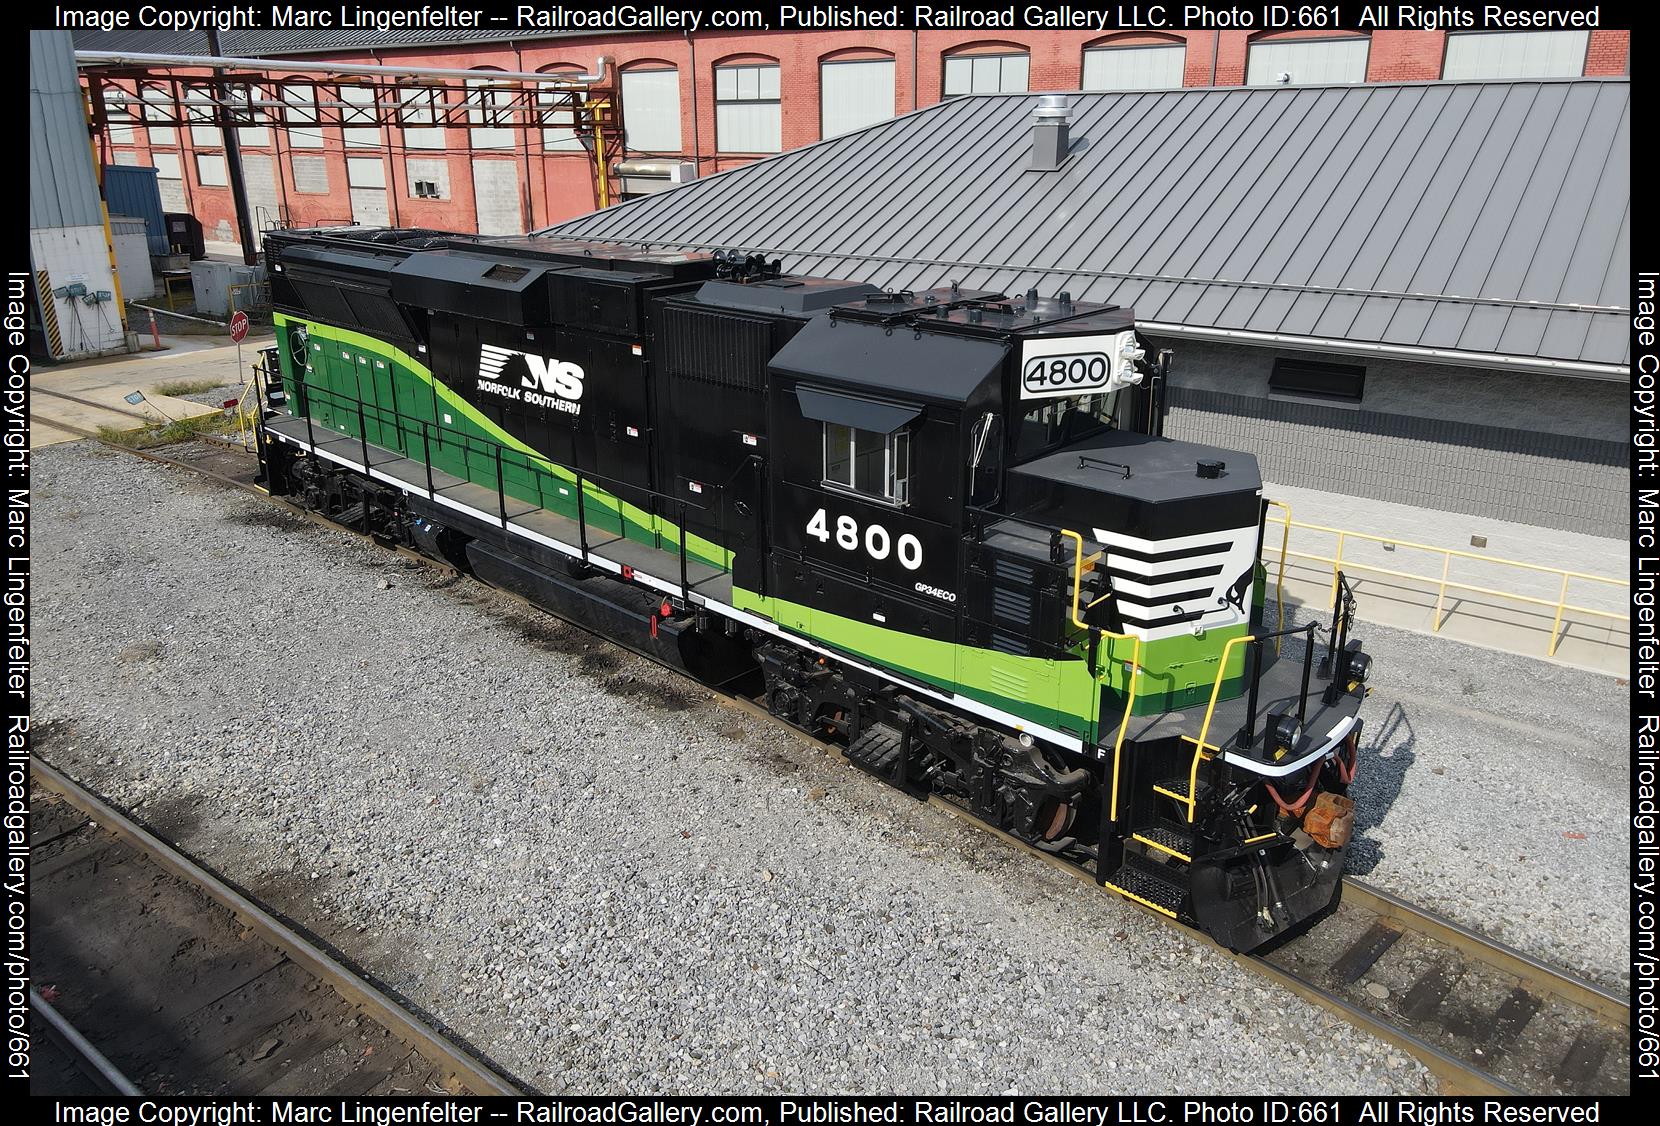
(943, 529)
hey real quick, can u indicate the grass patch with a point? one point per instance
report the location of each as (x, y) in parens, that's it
(167, 433)
(181, 387)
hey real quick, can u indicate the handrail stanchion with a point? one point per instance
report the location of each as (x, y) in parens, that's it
(426, 454)
(1308, 665)
(501, 489)
(1561, 602)
(685, 587)
(1249, 732)
(310, 431)
(1441, 593)
(363, 433)
(581, 516)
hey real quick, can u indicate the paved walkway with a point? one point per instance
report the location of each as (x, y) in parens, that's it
(93, 393)
(1408, 598)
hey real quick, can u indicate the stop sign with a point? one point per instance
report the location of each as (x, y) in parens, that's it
(239, 327)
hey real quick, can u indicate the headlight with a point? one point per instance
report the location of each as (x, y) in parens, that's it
(1286, 732)
(1360, 667)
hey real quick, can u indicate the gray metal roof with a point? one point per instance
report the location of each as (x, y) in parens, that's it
(1481, 223)
(260, 43)
(63, 188)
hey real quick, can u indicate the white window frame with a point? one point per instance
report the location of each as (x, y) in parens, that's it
(1584, 47)
(302, 109)
(359, 136)
(482, 136)
(198, 106)
(739, 78)
(631, 136)
(896, 464)
(825, 110)
(1104, 51)
(1365, 59)
(558, 138)
(154, 99)
(216, 161)
(118, 116)
(969, 60)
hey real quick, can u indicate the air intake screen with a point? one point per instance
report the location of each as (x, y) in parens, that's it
(323, 302)
(716, 348)
(377, 314)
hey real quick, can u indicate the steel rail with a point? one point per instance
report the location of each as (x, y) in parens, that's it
(88, 1060)
(1456, 1075)
(460, 1066)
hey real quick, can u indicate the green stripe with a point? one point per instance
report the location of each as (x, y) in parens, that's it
(706, 551)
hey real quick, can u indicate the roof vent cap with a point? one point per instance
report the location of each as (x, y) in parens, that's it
(1052, 108)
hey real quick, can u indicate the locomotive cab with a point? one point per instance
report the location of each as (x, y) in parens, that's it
(972, 490)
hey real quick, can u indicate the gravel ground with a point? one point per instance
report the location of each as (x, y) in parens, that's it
(1494, 788)
(599, 876)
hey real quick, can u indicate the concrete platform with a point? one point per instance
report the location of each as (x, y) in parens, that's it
(93, 394)
(1408, 599)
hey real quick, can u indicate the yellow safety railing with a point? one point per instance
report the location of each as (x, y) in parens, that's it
(1135, 652)
(1202, 744)
(237, 294)
(1560, 604)
(1279, 583)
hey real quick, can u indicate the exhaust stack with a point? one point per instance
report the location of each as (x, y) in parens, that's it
(1050, 132)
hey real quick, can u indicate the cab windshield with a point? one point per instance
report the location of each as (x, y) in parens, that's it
(1051, 423)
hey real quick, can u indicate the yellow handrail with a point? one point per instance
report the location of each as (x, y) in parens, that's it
(1560, 604)
(1202, 743)
(1135, 654)
(1279, 585)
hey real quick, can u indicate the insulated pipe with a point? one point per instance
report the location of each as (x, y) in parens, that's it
(233, 161)
(129, 58)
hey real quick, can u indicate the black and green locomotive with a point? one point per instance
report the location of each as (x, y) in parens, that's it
(942, 528)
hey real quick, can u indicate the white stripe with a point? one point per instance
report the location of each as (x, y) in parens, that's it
(1059, 738)
(1222, 537)
(1278, 770)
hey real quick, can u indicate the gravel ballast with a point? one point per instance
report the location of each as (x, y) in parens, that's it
(606, 880)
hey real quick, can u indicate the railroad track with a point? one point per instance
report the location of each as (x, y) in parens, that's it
(164, 979)
(1484, 1017)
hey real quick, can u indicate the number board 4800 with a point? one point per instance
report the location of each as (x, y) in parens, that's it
(1073, 365)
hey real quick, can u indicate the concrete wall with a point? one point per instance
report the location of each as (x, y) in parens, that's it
(1535, 449)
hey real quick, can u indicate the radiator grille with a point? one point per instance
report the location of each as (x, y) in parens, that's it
(718, 349)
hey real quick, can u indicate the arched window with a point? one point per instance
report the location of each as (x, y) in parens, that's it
(1134, 62)
(159, 108)
(855, 90)
(748, 115)
(488, 103)
(198, 110)
(651, 107)
(301, 114)
(418, 116)
(1515, 54)
(987, 68)
(558, 115)
(363, 135)
(1295, 60)
(118, 115)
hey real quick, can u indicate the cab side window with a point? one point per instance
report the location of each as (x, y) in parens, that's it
(867, 462)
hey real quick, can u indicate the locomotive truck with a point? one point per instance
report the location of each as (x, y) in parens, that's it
(943, 529)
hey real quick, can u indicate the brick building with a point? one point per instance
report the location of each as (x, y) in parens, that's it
(716, 101)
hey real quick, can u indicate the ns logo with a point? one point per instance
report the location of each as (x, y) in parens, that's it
(553, 377)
